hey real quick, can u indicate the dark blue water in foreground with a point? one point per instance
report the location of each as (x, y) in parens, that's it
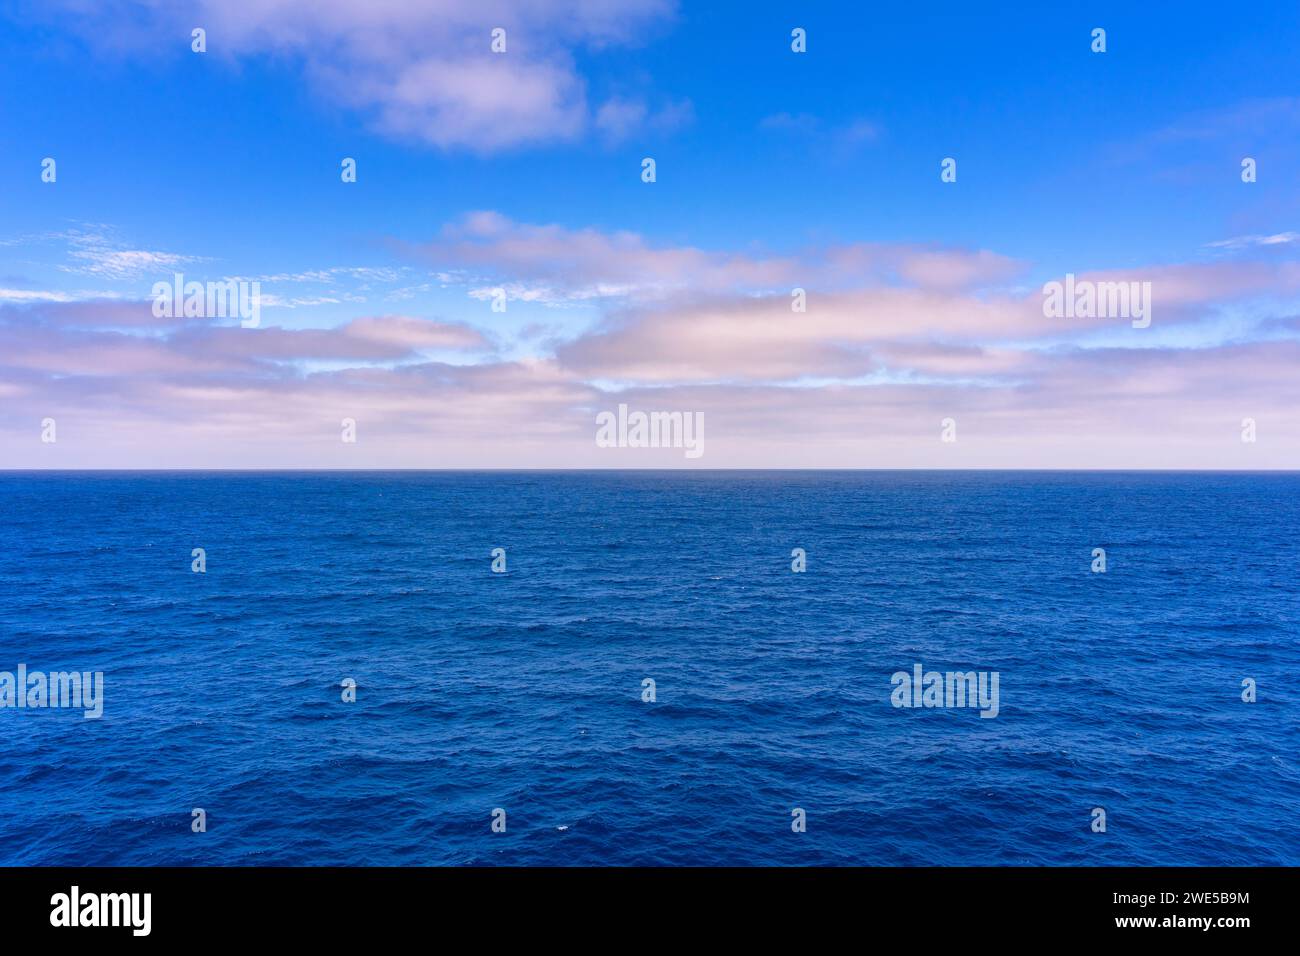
(523, 690)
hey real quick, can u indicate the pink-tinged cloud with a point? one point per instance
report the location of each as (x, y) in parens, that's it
(1103, 409)
(893, 341)
(423, 70)
(479, 103)
(409, 332)
(97, 339)
(1177, 286)
(840, 334)
(576, 260)
(89, 314)
(589, 263)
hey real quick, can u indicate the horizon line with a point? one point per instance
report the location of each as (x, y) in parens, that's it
(685, 471)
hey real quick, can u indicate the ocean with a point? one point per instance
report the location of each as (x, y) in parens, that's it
(774, 691)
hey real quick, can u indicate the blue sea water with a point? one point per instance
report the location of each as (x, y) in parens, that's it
(478, 690)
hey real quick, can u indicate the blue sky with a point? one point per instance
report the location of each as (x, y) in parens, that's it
(1068, 161)
(1045, 132)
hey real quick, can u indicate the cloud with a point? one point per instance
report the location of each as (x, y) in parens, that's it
(619, 118)
(1083, 409)
(422, 69)
(927, 266)
(480, 104)
(1203, 143)
(109, 339)
(556, 265)
(1247, 118)
(838, 140)
(1249, 242)
(34, 295)
(125, 263)
(790, 122)
(92, 313)
(924, 322)
(588, 263)
(895, 338)
(408, 332)
(97, 250)
(760, 339)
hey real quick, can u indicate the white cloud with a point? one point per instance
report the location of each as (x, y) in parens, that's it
(26, 295)
(1245, 242)
(423, 69)
(125, 263)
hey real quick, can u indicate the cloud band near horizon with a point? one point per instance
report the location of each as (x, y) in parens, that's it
(894, 339)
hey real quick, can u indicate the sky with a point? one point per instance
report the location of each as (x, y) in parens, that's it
(500, 273)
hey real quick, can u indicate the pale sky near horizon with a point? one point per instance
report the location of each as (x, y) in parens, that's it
(485, 177)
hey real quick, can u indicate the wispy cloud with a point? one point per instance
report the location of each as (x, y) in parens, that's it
(1248, 242)
(836, 139)
(98, 250)
(124, 263)
(618, 118)
(35, 295)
